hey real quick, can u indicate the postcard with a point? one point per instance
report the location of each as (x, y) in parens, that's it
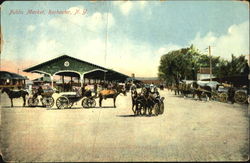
(130, 81)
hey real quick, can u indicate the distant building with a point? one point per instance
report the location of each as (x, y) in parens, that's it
(149, 80)
(204, 73)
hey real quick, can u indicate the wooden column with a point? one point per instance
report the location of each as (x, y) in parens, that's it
(52, 83)
(63, 83)
(82, 79)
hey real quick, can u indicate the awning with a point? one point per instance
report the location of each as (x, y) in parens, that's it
(10, 75)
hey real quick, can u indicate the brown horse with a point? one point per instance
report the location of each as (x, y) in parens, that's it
(113, 93)
(15, 94)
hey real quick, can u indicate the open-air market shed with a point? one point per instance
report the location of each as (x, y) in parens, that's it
(10, 79)
(72, 67)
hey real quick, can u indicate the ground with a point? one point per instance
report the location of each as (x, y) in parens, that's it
(188, 130)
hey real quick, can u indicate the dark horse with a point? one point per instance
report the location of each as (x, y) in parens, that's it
(113, 93)
(202, 90)
(146, 101)
(137, 102)
(16, 94)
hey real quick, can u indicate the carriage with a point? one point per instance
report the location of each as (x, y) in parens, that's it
(147, 102)
(226, 92)
(46, 97)
(67, 99)
(201, 89)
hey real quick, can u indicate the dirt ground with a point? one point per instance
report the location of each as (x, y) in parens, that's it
(188, 130)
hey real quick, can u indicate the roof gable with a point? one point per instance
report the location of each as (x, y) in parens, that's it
(64, 63)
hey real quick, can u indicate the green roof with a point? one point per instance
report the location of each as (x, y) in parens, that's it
(11, 75)
(70, 66)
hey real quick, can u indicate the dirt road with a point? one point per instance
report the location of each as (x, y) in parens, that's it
(189, 130)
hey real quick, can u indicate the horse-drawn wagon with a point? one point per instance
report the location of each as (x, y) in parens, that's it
(46, 97)
(147, 102)
(67, 99)
(226, 92)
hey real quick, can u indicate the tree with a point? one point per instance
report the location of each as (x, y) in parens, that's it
(178, 65)
(237, 66)
(185, 63)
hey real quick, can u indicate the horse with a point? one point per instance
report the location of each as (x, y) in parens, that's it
(185, 89)
(112, 93)
(144, 102)
(202, 90)
(138, 102)
(176, 89)
(15, 94)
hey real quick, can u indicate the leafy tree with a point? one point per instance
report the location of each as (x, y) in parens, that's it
(236, 66)
(178, 65)
(185, 63)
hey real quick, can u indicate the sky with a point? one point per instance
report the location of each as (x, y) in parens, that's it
(129, 37)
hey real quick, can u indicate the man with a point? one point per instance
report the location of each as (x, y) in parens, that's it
(133, 87)
(155, 93)
(231, 92)
(151, 86)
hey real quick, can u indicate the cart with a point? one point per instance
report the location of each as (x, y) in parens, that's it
(67, 99)
(46, 98)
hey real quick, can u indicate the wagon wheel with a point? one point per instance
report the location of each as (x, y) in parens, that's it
(161, 109)
(240, 97)
(223, 97)
(92, 103)
(33, 101)
(48, 101)
(62, 102)
(85, 103)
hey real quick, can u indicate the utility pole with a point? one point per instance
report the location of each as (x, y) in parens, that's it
(210, 57)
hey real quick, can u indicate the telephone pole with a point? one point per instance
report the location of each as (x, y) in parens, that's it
(210, 58)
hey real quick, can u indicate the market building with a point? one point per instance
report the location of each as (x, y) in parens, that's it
(67, 66)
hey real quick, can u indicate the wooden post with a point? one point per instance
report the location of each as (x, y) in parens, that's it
(81, 79)
(52, 82)
(63, 83)
(209, 50)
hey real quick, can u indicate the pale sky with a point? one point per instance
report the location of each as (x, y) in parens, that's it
(129, 37)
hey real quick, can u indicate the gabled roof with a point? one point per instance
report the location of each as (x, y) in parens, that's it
(76, 67)
(36, 67)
